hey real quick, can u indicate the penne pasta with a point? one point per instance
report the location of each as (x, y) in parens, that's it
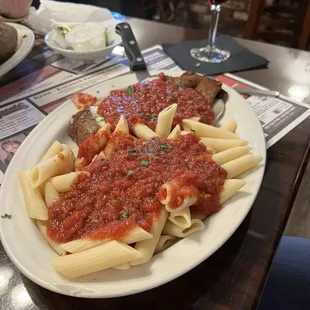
(64, 183)
(53, 150)
(164, 121)
(204, 130)
(173, 230)
(35, 205)
(230, 188)
(195, 118)
(42, 188)
(184, 132)
(220, 145)
(120, 180)
(147, 247)
(241, 164)
(181, 218)
(122, 125)
(230, 126)
(144, 132)
(124, 266)
(96, 259)
(65, 147)
(79, 245)
(56, 165)
(210, 150)
(106, 127)
(94, 145)
(172, 189)
(230, 154)
(51, 194)
(175, 133)
(165, 242)
(54, 245)
(186, 202)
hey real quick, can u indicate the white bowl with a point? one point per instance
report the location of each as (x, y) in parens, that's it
(82, 55)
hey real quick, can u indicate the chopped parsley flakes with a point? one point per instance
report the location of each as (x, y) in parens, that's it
(144, 163)
(6, 216)
(124, 216)
(130, 172)
(132, 151)
(130, 90)
(154, 117)
(164, 147)
(144, 114)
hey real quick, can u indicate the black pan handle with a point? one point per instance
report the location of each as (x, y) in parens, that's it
(131, 46)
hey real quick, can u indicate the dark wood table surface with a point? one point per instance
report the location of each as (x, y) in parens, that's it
(233, 278)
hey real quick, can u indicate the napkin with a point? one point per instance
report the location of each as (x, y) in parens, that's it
(52, 13)
(240, 58)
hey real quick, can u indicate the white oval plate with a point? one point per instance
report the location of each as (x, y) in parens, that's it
(24, 47)
(29, 252)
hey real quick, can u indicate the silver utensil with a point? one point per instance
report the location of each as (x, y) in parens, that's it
(257, 92)
(133, 52)
(218, 109)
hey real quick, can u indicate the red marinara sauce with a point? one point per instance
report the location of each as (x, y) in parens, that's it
(83, 101)
(142, 102)
(122, 193)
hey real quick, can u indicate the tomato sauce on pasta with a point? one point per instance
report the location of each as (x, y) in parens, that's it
(123, 192)
(142, 102)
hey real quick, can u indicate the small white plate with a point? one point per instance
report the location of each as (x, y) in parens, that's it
(89, 55)
(28, 250)
(24, 47)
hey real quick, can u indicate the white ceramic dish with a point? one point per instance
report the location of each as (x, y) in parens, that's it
(30, 253)
(85, 55)
(24, 47)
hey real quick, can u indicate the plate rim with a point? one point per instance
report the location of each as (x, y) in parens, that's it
(147, 286)
(21, 52)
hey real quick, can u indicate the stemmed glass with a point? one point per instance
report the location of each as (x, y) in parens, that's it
(211, 53)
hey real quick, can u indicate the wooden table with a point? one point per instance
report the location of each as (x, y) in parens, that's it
(233, 278)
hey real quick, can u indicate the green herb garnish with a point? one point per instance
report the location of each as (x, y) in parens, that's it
(130, 172)
(164, 147)
(102, 160)
(192, 130)
(144, 113)
(6, 216)
(130, 90)
(124, 216)
(154, 117)
(132, 151)
(144, 163)
(181, 84)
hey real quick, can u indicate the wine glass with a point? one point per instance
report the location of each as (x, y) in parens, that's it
(211, 53)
